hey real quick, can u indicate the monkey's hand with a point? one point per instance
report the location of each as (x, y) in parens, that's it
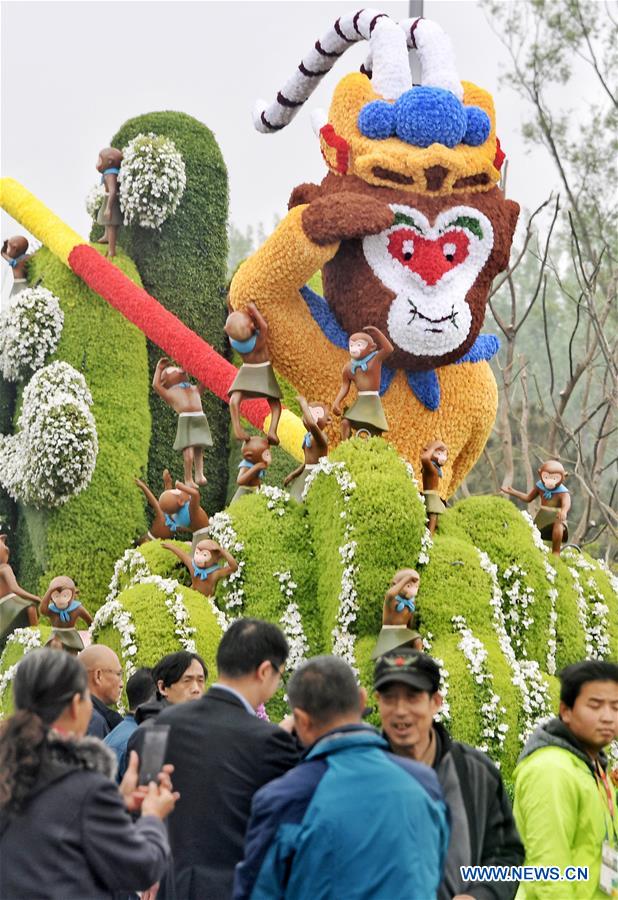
(337, 410)
(507, 489)
(344, 216)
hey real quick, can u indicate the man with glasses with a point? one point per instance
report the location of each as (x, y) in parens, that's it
(222, 753)
(105, 686)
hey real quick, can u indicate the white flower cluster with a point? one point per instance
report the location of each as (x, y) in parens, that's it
(277, 498)
(492, 712)
(222, 531)
(343, 638)
(113, 611)
(176, 608)
(291, 621)
(518, 609)
(536, 702)
(536, 534)
(94, 199)
(178, 611)
(613, 580)
(134, 568)
(152, 180)
(53, 455)
(592, 610)
(444, 713)
(426, 540)
(426, 545)
(29, 640)
(29, 332)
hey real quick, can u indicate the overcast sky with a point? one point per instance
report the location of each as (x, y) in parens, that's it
(73, 72)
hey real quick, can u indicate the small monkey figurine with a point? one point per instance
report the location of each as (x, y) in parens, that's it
(248, 334)
(110, 215)
(316, 417)
(256, 459)
(398, 614)
(368, 350)
(13, 598)
(15, 252)
(193, 433)
(158, 529)
(551, 519)
(63, 609)
(204, 565)
(182, 511)
(433, 457)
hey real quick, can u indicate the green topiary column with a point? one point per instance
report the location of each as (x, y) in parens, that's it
(184, 266)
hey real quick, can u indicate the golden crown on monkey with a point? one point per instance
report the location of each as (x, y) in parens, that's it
(408, 229)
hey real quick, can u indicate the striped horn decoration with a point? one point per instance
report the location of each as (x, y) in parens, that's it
(435, 53)
(391, 71)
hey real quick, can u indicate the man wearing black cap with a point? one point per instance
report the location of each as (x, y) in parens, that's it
(483, 831)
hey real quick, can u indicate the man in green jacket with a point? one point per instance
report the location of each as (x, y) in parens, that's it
(565, 803)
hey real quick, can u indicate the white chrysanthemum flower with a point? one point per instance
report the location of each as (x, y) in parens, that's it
(53, 455)
(152, 180)
(29, 332)
(94, 199)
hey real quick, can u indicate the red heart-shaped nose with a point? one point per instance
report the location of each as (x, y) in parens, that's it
(430, 259)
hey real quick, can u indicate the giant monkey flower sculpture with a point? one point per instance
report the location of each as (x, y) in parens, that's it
(409, 229)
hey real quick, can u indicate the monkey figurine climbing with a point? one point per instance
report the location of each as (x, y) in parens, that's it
(63, 609)
(398, 614)
(13, 598)
(158, 529)
(316, 417)
(205, 565)
(248, 334)
(172, 384)
(551, 519)
(182, 511)
(368, 349)
(433, 457)
(110, 215)
(252, 469)
(15, 252)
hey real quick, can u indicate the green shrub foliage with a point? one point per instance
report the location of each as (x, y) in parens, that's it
(85, 537)
(320, 571)
(183, 265)
(8, 509)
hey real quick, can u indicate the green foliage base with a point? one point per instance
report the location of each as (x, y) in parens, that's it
(320, 571)
(183, 265)
(84, 537)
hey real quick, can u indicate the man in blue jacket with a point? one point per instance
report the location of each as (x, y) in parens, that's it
(351, 820)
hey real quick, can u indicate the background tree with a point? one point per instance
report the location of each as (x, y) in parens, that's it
(556, 307)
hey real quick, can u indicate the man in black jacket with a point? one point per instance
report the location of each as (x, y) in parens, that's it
(483, 830)
(105, 686)
(222, 753)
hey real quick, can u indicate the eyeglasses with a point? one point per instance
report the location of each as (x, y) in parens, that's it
(117, 672)
(280, 670)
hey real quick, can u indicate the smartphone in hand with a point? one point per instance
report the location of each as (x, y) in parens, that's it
(152, 756)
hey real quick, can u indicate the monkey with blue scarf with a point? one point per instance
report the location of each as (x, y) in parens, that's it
(551, 519)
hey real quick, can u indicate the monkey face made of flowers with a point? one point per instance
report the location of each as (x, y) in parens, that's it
(428, 157)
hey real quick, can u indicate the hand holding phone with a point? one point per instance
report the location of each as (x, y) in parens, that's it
(152, 756)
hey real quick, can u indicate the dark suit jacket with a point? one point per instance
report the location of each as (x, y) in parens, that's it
(222, 755)
(103, 719)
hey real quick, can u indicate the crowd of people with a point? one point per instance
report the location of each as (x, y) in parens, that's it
(321, 805)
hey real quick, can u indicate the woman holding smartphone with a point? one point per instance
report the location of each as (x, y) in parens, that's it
(65, 828)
